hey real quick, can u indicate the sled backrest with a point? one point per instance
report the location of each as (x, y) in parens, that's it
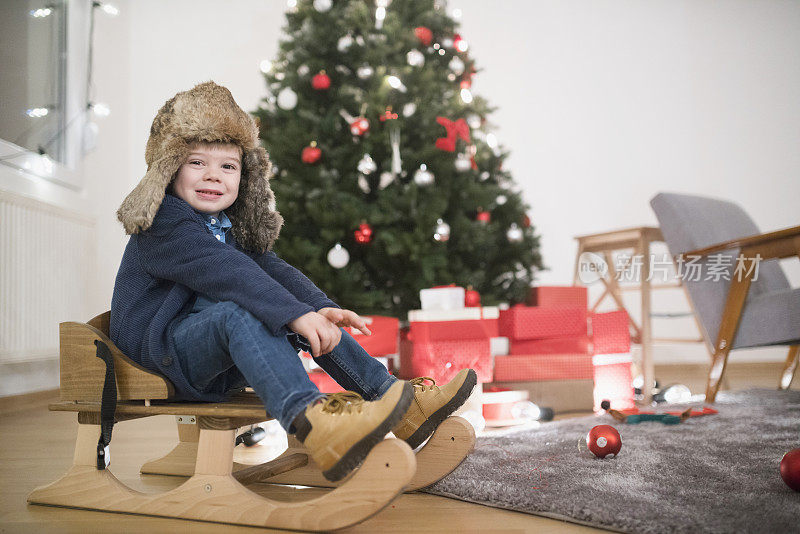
(83, 373)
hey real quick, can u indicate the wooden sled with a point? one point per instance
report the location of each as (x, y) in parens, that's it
(443, 452)
(213, 492)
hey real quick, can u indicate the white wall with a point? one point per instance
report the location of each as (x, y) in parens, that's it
(603, 103)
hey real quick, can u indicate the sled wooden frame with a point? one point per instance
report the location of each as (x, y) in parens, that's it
(213, 492)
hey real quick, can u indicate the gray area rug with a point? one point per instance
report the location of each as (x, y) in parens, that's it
(717, 473)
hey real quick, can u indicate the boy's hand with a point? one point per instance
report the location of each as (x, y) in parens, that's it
(345, 318)
(321, 333)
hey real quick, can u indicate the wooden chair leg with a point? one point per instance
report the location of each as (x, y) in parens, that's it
(790, 367)
(737, 294)
(180, 460)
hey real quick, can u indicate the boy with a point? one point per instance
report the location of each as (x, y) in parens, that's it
(201, 299)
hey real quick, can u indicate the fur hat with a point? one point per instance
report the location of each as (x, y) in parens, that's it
(207, 113)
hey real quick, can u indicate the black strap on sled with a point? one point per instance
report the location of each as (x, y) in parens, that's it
(108, 405)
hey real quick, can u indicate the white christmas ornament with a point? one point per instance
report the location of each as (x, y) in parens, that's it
(409, 109)
(396, 83)
(501, 199)
(265, 66)
(415, 58)
(463, 163)
(442, 231)
(287, 99)
(422, 176)
(466, 96)
(344, 43)
(474, 120)
(323, 5)
(364, 72)
(367, 165)
(338, 256)
(514, 233)
(363, 183)
(302, 70)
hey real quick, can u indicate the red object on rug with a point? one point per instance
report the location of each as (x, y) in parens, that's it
(604, 441)
(524, 368)
(527, 322)
(790, 469)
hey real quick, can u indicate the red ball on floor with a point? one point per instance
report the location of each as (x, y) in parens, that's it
(604, 441)
(790, 469)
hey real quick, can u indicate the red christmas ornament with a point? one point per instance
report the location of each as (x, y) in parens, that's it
(364, 233)
(604, 441)
(311, 154)
(321, 81)
(483, 216)
(466, 84)
(425, 35)
(359, 126)
(526, 221)
(472, 298)
(455, 129)
(790, 469)
(388, 115)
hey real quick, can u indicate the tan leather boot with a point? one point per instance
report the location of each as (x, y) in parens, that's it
(432, 405)
(340, 430)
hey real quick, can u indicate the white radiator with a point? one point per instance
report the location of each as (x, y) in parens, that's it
(47, 260)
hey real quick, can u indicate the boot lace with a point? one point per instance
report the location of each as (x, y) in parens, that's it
(419, 382)
(342, 402)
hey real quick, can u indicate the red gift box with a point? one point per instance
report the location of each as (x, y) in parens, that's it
(442, 359)
(553, 345)
(519, 368)
(442, 330)
(384, 338)
(610, 333)
(558, 297)
(613, 381)
(527, 322)
(324, 382)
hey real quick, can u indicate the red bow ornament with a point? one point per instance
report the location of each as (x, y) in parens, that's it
(455, 129)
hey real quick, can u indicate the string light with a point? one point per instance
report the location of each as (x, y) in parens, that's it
(36, 113)
(108, 9)
(395, 82)
(40, 13)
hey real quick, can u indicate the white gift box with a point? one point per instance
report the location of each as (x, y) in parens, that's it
(464, 314)
(442, 298)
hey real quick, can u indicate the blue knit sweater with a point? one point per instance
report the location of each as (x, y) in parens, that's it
(177, 258)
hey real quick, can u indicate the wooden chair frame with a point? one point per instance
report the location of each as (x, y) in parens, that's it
(215, 490)
(774, 245)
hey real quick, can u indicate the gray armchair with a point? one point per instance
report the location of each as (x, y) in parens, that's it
(744, 301)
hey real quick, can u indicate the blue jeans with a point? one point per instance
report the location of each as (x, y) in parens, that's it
(223, 347)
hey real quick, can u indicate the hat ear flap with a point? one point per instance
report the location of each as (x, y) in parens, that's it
(140, 206)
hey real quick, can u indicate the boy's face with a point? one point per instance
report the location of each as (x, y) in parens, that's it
(209, 178)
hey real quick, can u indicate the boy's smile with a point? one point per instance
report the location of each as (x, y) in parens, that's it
(209, 178)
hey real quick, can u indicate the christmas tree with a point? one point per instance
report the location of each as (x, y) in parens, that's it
(385, 168)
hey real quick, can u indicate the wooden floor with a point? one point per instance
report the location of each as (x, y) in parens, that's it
(36, 447)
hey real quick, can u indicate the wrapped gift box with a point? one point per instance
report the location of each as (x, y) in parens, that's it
(610, 333)
(558, 297)
(442, 298)
(526, 322)
(561, 395)
(385, 335)
(441, 359)
(474, 322)
(613, 380)
(501, 406)
(525, 368)
(553, 345)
